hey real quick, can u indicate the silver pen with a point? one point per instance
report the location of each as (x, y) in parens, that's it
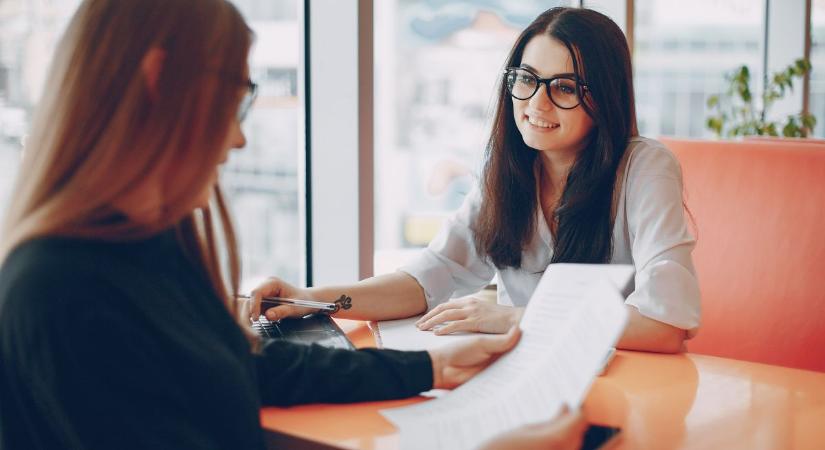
(269, 302)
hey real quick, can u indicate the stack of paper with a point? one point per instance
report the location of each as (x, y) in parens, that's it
(572, 320)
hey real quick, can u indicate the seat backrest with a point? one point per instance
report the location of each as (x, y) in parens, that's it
(759, 209)
(784, 140)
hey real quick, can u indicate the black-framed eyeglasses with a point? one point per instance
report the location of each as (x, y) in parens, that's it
(565, 91)
(248, 99)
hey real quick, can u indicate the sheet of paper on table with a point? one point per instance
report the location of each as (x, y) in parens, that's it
(573, 319)
(404, 335)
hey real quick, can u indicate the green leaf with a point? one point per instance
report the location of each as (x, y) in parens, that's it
(802, 66)
(715, 124)
(713, 100)
(808, 121)
(745, 92)
(791, 129)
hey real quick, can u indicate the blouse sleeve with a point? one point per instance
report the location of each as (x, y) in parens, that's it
(450, 265)
(667, 289)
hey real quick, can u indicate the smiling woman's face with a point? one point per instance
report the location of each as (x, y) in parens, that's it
(543, 125)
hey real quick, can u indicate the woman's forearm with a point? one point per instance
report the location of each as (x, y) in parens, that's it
(646, 334)
(391, 296)
(398, 295)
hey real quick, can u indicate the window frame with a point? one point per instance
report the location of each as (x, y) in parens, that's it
(339, 121)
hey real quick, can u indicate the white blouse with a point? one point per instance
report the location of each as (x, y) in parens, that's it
(650, 232)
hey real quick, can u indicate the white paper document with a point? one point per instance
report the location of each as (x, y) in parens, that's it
(573, 319)
(404, 335)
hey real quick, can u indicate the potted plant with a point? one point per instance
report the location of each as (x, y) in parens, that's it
(735, 113)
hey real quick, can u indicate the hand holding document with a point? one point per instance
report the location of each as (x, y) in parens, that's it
(402, 334)
(572, 321)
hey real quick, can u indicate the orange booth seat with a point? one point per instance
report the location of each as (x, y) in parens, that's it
(759, 210)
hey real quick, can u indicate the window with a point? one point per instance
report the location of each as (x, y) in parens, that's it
(817, 58)
(261, 181)
(29, 32)
(682, 52)
(436, 68)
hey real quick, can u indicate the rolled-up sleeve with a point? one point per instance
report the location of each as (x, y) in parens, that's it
(667, 289)
(450, 266)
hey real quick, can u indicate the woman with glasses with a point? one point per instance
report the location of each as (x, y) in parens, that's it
(118, 324)
(567, 179)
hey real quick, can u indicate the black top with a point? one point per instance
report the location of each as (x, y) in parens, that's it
(125, 345)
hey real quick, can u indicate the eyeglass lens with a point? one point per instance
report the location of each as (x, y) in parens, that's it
(247, 101)
(522, 85)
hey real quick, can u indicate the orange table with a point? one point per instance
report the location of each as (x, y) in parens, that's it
(660, 401)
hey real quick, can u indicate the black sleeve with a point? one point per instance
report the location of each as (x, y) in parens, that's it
(76, 372)
(293, 373)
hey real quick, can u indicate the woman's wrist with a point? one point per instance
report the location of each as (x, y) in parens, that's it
(435, 359)
(316, 294)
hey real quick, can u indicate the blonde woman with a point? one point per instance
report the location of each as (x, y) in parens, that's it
(120, 264)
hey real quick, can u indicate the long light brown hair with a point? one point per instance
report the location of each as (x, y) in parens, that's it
(100, 131)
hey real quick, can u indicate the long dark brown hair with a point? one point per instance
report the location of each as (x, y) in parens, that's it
(507, 217)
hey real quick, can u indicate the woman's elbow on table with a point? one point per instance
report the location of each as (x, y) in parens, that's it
(646, 334)
(671, 341)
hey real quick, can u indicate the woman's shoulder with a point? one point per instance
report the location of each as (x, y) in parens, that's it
(649, 157)
(58, 255)
(45, 273)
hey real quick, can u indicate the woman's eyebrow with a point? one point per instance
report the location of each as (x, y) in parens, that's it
(558, 75)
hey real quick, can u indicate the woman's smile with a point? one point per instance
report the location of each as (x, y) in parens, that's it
(539, 124)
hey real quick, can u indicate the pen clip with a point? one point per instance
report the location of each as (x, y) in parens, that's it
(344, 302)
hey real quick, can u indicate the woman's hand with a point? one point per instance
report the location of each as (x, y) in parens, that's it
(471, 314)
(457, 363)
(565, 432)
(275, 287)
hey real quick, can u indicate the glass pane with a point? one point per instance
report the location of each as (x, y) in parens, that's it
(436, 67)
(683, 51)
(261, 181)
(817, 86)
(29, 31)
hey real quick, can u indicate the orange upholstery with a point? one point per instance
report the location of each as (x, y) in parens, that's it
(759, 208)
(784, 140)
